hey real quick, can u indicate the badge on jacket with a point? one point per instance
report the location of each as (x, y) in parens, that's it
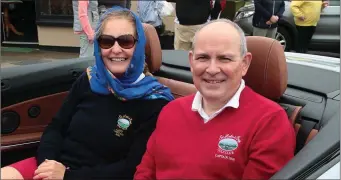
(123, 124)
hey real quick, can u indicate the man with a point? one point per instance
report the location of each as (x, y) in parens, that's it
(266, 17)
(105, 4)
(306, 16)
(225, 130)
(218, 7)
(128, 4)
(85, 19)
(149, 12)
(190, 16)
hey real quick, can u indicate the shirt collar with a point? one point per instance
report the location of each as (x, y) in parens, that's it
(140, 78)
(233, 102)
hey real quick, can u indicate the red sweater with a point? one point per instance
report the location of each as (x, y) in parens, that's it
(251, 142)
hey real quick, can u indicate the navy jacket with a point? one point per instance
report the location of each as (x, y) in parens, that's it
(192, 12)
(215, 10)
(264, 9)
(99, 136)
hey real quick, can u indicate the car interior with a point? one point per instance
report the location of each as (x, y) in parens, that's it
(32, 94)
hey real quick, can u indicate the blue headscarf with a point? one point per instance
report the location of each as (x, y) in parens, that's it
(103, 82)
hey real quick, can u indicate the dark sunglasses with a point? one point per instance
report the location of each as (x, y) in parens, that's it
(125, 41)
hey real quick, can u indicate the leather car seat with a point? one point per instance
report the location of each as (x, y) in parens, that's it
(153, 51)
(267, 75)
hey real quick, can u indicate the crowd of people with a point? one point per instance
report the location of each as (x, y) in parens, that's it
(306, 16)
(191, 15)
(119, 122)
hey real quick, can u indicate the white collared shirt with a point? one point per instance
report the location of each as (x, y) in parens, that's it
(233, 102)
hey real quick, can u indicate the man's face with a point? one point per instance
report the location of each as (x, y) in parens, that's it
(216, 62)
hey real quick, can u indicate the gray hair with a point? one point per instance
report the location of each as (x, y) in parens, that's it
(243, 46)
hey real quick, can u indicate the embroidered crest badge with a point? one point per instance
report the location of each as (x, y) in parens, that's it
(226, 146)
(123, 124)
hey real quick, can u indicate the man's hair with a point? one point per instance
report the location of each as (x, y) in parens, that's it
(243, 46)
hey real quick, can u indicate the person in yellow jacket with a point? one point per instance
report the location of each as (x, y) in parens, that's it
(306, 16)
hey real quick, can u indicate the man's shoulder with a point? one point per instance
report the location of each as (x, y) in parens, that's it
(260, 102)
(266, 113)
(184, 102)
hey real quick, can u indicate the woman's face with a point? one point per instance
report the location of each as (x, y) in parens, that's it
(117, 56)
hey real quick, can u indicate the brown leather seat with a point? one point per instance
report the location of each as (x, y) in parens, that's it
(153, 48)
(267, 75)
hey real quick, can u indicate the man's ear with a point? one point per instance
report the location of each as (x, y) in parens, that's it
(190, 59)
(246, 63)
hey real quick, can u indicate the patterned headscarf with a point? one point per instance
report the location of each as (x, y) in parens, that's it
(126, 87)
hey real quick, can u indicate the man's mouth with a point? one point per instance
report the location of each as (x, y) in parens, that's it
(213, 81)
(117, 59)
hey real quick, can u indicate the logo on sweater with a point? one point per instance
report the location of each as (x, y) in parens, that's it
(228, 143)
(123, 124)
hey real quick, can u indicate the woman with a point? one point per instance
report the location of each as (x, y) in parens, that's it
(102, 129)
(306, 14)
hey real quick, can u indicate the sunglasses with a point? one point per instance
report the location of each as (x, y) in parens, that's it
(125, 41)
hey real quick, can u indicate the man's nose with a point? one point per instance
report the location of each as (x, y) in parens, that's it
(116, 48)
(213, 68)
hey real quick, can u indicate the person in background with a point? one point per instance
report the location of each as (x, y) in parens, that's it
(266, 17)
(218, 7)
(306, 16)
(225, 130)
(103, 126)
(105, 4)
(149, 12)
(85, 18)
(128, 5)
(190, 16)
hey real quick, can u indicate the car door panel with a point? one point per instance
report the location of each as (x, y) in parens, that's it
(31, 96)
(33, 114)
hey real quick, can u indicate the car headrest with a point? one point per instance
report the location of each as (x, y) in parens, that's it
(267, 74)
(153, 50)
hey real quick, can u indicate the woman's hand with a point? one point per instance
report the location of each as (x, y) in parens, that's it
(50, 169)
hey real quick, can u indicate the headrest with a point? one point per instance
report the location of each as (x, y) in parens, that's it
(153, 48)
(267, 74)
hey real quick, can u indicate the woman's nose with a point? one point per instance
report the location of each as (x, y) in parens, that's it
(116, 48)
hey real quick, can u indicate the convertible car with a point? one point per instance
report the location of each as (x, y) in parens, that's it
(306, 86)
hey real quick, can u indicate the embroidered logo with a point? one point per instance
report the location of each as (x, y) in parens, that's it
(227, 145)
(123, 124)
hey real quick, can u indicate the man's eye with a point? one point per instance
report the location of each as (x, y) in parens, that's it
(201, 58)
(226, 59)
